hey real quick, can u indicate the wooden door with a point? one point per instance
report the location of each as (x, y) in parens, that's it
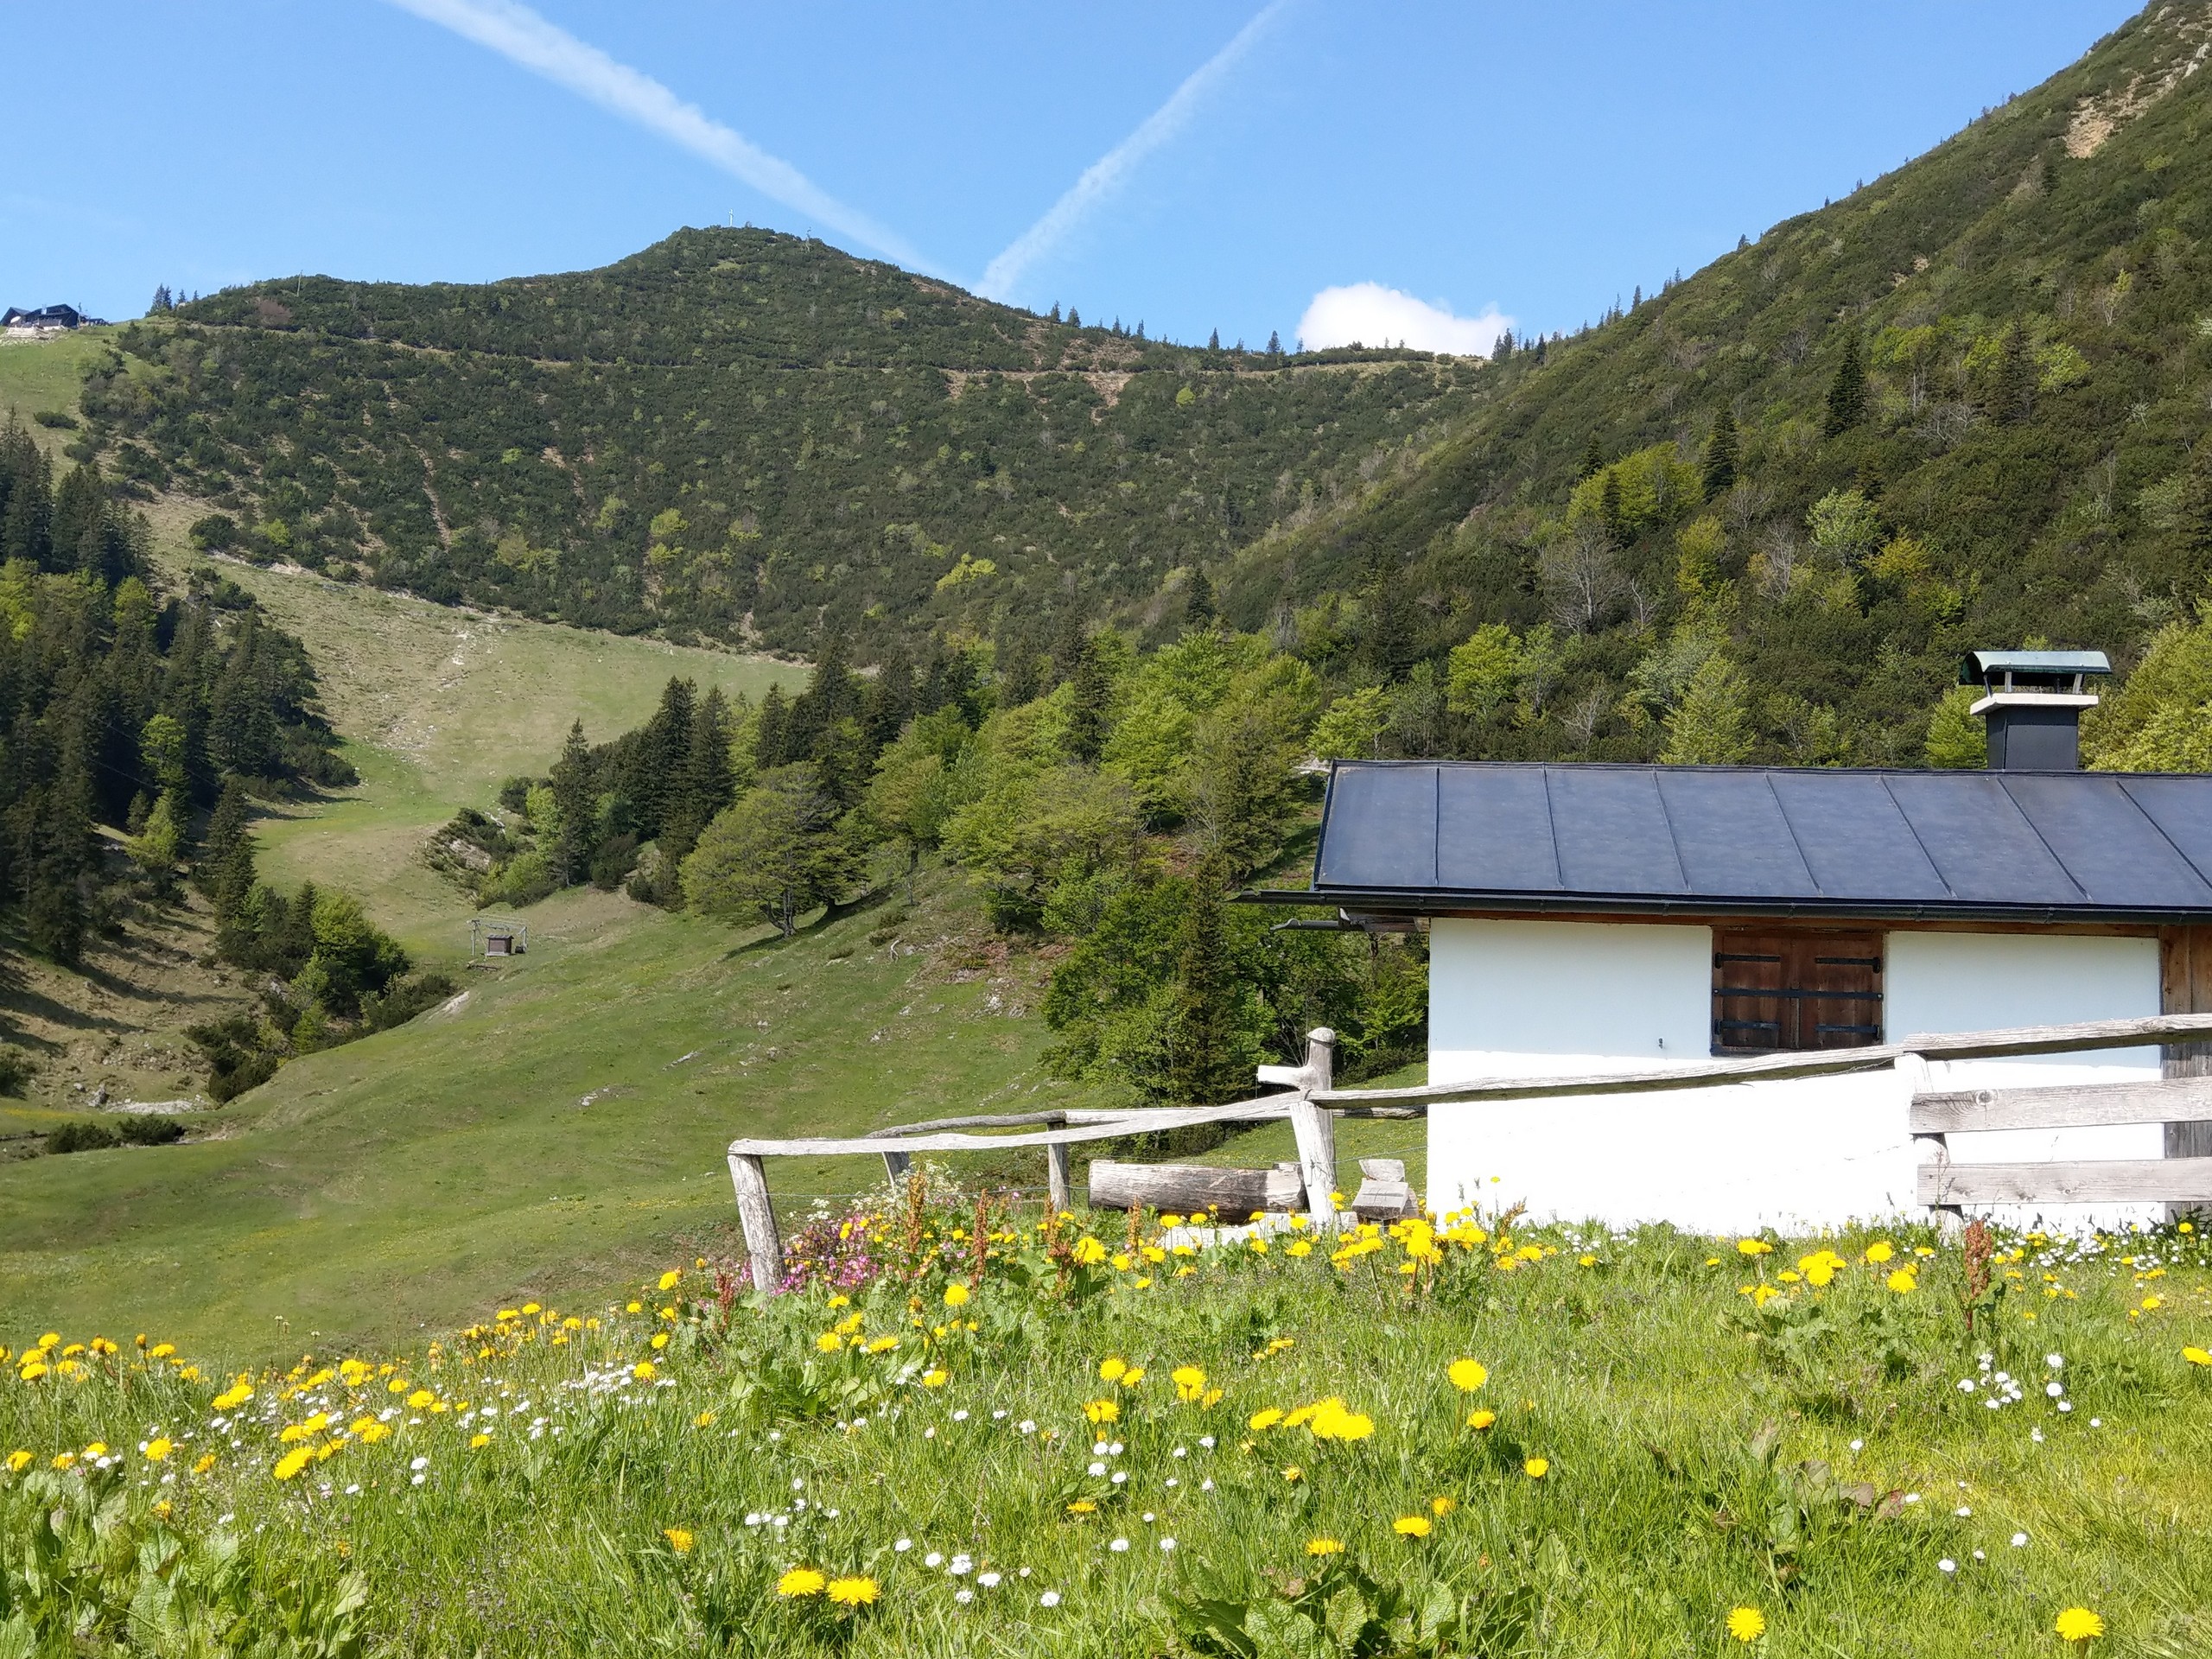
(2185, 972)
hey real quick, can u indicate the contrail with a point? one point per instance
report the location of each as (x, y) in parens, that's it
(1108, 174)
(517, 33)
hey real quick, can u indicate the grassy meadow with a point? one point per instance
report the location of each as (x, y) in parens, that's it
(966, 1434)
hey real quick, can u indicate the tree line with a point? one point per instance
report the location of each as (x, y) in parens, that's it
(151, 714)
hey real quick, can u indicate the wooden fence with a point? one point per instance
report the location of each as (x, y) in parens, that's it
(1313, 1104)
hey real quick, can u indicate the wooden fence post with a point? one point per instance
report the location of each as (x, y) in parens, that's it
(1059, 1193)
(895, 1166)
(1316, 1130)
(762, 1243)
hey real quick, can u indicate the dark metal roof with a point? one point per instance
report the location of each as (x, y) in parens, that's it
(1980, 664)
(1420, 835)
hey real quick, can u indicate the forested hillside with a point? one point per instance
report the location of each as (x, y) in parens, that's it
(1963, 406)
(739, 435)
(130, 716)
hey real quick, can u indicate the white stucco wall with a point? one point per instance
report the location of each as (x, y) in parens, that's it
(1536, 998)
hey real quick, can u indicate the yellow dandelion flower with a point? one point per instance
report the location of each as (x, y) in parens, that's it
(32, 1370)
(64, 1460)
(157, 1448)
(293, 1461)
(829, 1342)
(955, 1295)
(236, 1395)
(162, 1350)
(479, 1441)
(704, 1419)
(421, 1399)
(1293, 1474)
(1082, 1506)
(1440, 1507)
(1754, 1246)
(1325, 1547)
(1131, 1377)
(669, 1280)
(1879, 1251)
(1102, 1411)
(2197, 1356)
(18, 1461)
(206, 1462)
(679, 1539)
(1468, 1375)
(1905, 1282)
(1412, 1526)
(645, 1370)
(370, 1434)
(2079, 1625)
(935, 1379)
(1536, 1468)
(852, 1593)
(1111, 1367)
(1746, 1625)
(1481, 1419)
(801, 1581)
(1089, 1252)
(1266, 1418)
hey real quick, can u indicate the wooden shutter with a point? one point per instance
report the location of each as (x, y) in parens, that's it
(1782, 988)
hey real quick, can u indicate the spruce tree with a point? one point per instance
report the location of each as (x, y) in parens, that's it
(773, 747)
(1274, 343)
(1721, 455)
(1207, 1045)
(2013, 387)
(890, 696)
(1198, 610)
(1847, 391)
(1091, 692)
(1593, 462)
(1502, 352)
(575, 806)
(1610, 510)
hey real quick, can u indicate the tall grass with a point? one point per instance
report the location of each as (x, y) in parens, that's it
(1060, 1441)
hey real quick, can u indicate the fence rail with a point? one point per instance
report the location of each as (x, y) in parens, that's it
(1313, 1104)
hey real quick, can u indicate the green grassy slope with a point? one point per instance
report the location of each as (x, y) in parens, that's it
(557, 1130)
(440, 706)
(39, 375)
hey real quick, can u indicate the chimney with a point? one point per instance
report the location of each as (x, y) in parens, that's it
(2033, 702)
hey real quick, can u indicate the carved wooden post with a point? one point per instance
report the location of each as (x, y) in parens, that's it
(1315, 1129)
(762, 1243)
(1060, 1193)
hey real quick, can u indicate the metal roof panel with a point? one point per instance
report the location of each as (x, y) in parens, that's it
(1731, 835)
(1494, 829)
(1379, 826)
(2106, 843)
(1982, 843)
(1611, 831)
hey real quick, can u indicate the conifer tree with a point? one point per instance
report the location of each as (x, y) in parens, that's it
(1213, 341)
(772, 746)
(1721, 455)
(1090, 693)
(1503, 350)
(1847, 391)
(572, 807)
(1207, 1043)
(1593, 462)
(2012, 387)
(1274, 343)
(1199, 610)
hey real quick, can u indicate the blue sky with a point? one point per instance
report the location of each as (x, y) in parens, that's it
(1530, 160)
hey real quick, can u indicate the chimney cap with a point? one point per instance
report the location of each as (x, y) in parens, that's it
(1982, 665)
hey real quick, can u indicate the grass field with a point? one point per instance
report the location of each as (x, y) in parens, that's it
(1468, 1441)
(38, 375)
(439, 707)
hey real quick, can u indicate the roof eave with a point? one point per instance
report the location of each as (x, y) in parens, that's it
(1405, 901)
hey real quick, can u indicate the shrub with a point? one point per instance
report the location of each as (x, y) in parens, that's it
(215, 532)
(138, 1131)
(15, 1069)
(82, 1135)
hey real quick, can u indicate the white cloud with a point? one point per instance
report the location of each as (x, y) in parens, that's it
(1368, 314)
(1110, 171)
(520, 35)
